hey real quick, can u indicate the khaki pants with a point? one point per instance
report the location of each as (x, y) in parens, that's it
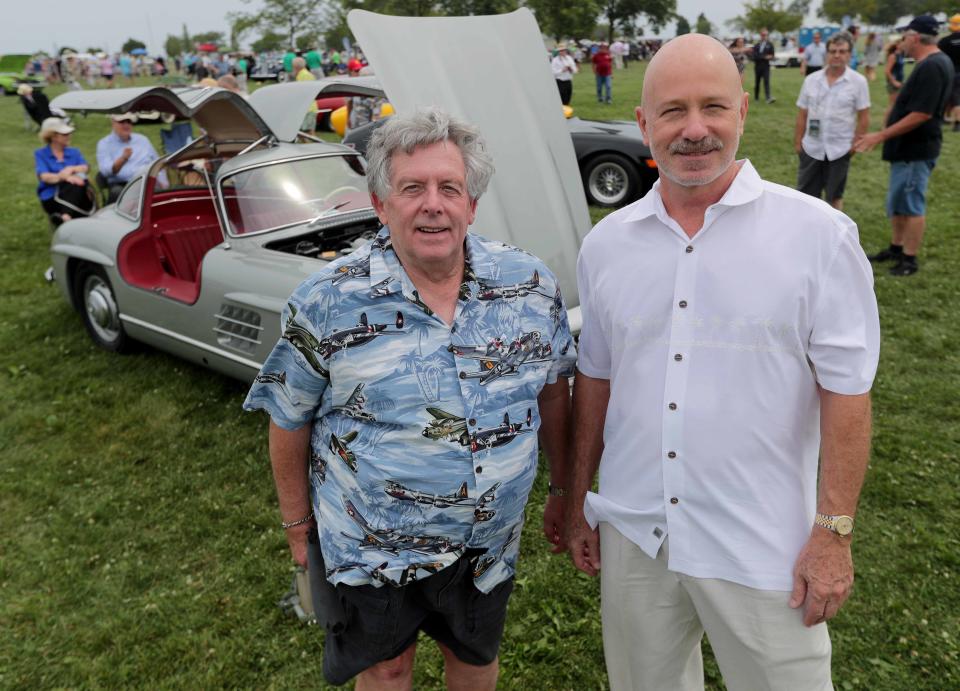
(653, 620)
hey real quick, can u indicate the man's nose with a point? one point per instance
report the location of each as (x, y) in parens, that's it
(431, 202)
(695, 127)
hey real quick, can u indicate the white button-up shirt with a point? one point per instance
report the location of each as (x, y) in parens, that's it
(835, 106)
(714, 348)
(815, 54)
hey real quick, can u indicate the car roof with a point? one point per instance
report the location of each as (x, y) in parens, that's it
(501, 82)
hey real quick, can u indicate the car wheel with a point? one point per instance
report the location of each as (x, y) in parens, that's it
(98, 307)
(610, 180)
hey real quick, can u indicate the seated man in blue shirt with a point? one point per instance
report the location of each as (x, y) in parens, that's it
(123, 153)
(405, 398)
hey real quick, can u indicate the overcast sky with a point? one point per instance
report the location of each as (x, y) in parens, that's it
(107, 24)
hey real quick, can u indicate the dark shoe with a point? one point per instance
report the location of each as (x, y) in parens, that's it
(905, 269)
(884, 256)
(956, 125)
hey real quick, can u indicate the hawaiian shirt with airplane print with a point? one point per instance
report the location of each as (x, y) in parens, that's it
(424, 439)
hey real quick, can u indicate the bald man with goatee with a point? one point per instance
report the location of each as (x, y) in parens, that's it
(730, 339)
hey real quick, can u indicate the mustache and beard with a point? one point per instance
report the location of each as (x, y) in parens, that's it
(694, 172)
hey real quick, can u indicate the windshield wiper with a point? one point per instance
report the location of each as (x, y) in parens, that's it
(326, 213)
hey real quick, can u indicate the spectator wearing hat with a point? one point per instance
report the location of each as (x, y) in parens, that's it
(603, 71)
(564, 67)
(35, 103)
(123, 153)
(911, 142)
(57, 163)
(950, 45)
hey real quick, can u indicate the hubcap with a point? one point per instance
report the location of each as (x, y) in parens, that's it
(608, 183)
(101, 308)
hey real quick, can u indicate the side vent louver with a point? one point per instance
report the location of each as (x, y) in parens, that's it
(238, 328)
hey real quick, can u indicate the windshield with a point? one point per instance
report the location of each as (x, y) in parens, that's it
(286, 193)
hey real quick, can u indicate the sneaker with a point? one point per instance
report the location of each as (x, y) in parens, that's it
(771, 100)
(905, 269)
(884, 256)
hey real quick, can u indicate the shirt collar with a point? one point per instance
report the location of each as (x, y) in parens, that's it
(387, 275)
(745, 188)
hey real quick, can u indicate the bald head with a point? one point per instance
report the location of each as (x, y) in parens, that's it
(690, 55)
(692, 111)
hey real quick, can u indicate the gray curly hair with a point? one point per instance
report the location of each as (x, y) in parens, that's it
(427, 126)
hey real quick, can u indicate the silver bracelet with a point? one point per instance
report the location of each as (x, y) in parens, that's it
(294, 524)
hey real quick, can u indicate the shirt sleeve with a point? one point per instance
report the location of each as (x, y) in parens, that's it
(104, 159)
(844, 345)
(293, 378)
(863, 95)
(42, 162)
(594, 360)
(562, 346)
(803, 100)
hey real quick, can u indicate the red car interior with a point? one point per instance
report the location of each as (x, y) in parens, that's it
(164, 255)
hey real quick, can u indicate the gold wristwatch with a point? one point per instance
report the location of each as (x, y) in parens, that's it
(841, 525)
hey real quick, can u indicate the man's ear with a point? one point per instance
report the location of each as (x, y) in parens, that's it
(379, 207)
(642, 121)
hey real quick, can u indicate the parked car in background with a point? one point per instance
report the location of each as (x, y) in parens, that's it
(269, 69)
(203, 268)
(12, 74)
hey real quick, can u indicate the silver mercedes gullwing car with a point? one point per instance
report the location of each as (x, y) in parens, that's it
(202, 265)
(201, 251)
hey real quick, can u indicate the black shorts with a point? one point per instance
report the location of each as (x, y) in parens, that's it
(383, 622)
(954, 99)
(815, 177)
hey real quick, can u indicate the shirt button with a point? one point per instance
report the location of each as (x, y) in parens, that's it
(671, 454)
(682, 303)
(453, 329)
(678, 357)
(674, 500)
(689, 249)
(672, 406)
(479, 468)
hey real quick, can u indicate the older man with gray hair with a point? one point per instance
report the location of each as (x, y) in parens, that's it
(405, 397)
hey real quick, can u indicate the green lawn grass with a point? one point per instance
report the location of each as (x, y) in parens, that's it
(139, 544)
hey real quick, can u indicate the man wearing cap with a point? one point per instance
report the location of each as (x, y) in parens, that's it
(564, 67)
(911, 142)
(950, 45)
(123, 153)
(834, 109)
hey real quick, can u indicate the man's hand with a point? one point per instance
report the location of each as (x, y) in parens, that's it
(127, 152)
(822, 576)
(582, 540)
(553, 515)
(867, 142)
(297, 538)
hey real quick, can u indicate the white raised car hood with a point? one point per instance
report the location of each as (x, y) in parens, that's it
(493, 71)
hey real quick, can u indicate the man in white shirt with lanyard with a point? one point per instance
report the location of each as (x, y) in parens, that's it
(730, 338)
(834, 109)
